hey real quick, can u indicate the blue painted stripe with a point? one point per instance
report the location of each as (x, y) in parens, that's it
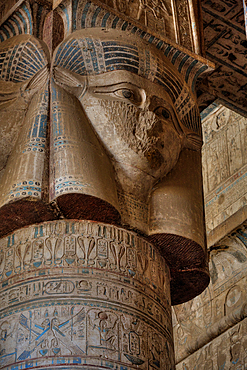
(143, 34)
(79, 69)
(169, 76)
(39, 16)
(115, 21)
(96, 13)
(93, 54)
(123, 55)
(104, 20)
(42, 126)
(74, 13)
(201, 70)
(192, 65)
(122, 61)
(35, 56)
(11, 59)
(160, 44)
(62, 50)
(182, 63)
(118, 45)
(169, 87)
(151, 39)
(125, 25)
(23, 21)
(175, 56)
(134, 29)
(17, 23)
(84, 14)
(75, 56)
(3, 29)
(167, 51)
(209, 110)
(35, 126)
(124, 67)
(24, 7)
(122, 48)
(11, 27)
(64, 9)
(1, 37)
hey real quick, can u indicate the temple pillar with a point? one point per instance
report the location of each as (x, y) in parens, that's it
(83, 295)
(110, 135)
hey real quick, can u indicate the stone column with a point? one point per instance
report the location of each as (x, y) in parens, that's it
(83, 295)
(104, 173)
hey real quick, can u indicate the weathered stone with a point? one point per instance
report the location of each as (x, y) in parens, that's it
(81, 292)
(110, 133)
(210, 329)
(224, 172)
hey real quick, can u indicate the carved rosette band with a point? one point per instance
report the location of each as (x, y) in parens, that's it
(81, 294)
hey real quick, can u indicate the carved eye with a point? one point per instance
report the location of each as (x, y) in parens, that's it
(127, 94)
(121, 91)
(162, 112)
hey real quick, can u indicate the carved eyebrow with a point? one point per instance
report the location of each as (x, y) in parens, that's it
(111, 88)
(138, 98)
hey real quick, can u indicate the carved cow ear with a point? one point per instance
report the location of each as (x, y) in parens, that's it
(70, 81)
(193, 141)
(38, 81)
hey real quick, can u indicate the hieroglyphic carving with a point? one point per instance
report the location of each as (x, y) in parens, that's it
(228, 351)
(184, 23)
(225, 42)
(156, 15)
(224, 132)
(166, 18)
(88, 288)
(83, 245)
(220, 307)
(109, 290)
(101, 333)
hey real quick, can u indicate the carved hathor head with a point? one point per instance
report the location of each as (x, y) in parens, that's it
(135, 99)
(145, 115)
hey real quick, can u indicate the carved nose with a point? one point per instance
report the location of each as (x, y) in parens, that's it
(151, 103)
(147, 103)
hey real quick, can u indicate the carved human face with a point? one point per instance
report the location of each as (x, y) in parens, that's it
(135, 120)
(133, 97)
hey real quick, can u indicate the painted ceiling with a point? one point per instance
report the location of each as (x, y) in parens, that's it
(226, 46)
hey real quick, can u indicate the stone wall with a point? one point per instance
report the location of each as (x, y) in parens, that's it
(227, 351)
(224, 171)
(221, 306)
(210, 330)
